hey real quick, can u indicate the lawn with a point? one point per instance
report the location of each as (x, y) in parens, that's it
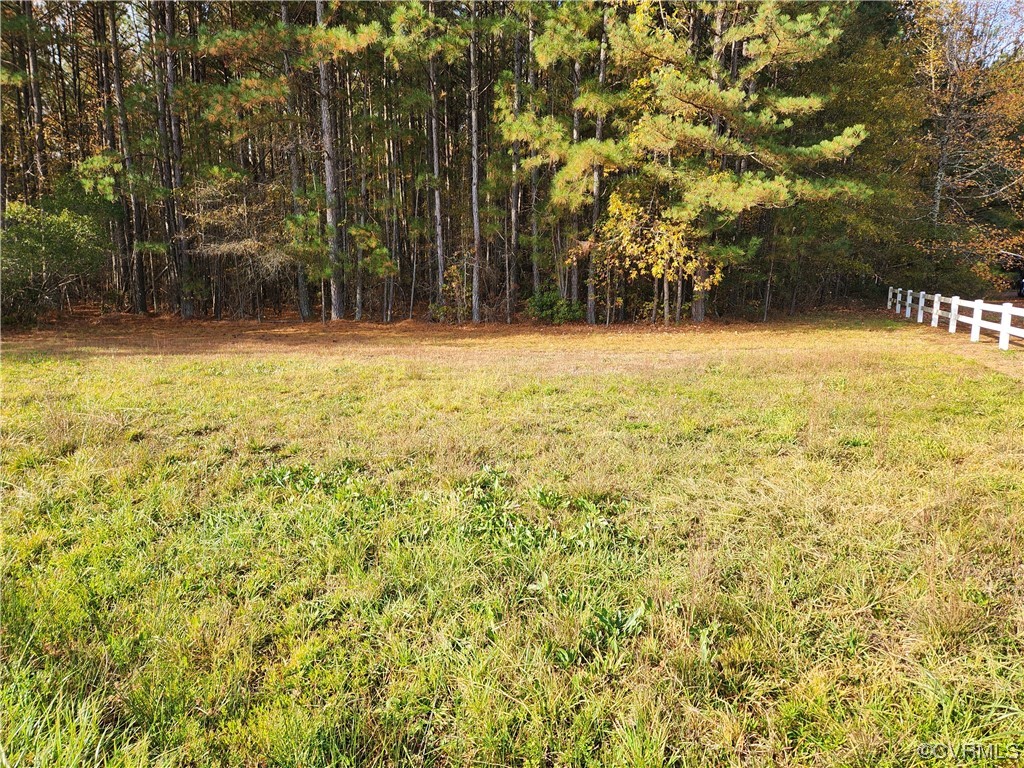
(266, 545)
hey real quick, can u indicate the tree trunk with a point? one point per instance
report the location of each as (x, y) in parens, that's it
(608, 298)
(574, 269)
(138, 271)
(180, 239)
(475, 131)
(679, 294)
(535, 173)
(940, 183)
(436, 157)
(37, 99)
(23, 120)
(700, 295)
(163, 160)
(665, 300)
(363, 202)
(121, 262)
(301, 283)
(330, 180)
(596, 211)
(511, 252)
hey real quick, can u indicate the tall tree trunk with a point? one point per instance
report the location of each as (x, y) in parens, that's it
(608, 297)
(330, 179)
(596, 211)
(364, 198)
(475, 131)
(164, 157)
(301, 283)
(436, 157)
(512, 250)
(664, 278)
(474, 97)
(574, 269)
(939, 186)
(345, 116)
(59, 70)
(37, 98)
(535, 173)
(23, 120)
(180, 238)
(138, 270)
(121, 264)
(76, 83)
(700, 295)
(679, 294)
(391, 183)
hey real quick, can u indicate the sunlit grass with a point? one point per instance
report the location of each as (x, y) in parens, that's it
(800, 546)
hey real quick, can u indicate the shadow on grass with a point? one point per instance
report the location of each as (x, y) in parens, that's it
(91, 334)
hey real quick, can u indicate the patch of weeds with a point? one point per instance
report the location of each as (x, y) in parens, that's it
(263, 367)
(201, 368)
(602, 637)
(598, 533)
(201, 430)
(305, 478)
(24, 458)
(854, 442)
(548, 499)
(610, 627)
(259, 446)
(494, 515)
(30, 358)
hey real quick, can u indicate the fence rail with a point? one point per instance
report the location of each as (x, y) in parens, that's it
(959, 312)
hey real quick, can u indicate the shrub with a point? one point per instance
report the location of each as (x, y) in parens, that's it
(550, 307)
(43, 252)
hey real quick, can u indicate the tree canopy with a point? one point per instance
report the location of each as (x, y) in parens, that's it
(473, 160)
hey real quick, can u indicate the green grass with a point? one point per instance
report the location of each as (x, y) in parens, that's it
(799, 546)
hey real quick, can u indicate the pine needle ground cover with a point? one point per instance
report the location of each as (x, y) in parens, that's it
(244, 545)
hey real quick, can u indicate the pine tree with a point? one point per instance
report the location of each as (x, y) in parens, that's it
(643, 153)
(710, 131)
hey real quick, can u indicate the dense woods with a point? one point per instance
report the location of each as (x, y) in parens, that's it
(474, 161)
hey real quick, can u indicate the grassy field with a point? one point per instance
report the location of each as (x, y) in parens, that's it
(259, 545)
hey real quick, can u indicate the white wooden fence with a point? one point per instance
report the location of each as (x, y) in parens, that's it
(959, 311)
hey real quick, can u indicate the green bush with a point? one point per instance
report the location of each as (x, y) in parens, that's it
(43, 252)
(550, 307)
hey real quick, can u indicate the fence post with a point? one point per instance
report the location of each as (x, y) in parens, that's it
(936, 308)
(954, 313)
(976, 321)
(1004, 326)
(899, 299)
(920, 306)
(889, 304)
(910, 301)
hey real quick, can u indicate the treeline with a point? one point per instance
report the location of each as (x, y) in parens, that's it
(469, 161)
